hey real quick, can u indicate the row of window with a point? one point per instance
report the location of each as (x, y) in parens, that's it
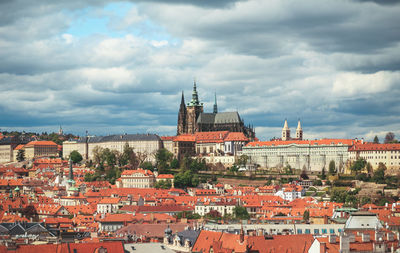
(317, 231)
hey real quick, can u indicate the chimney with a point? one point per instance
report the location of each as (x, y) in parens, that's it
(344, 243)
(365, 237)
(322, 247)
(378, 236)
(390, 237)
(352, 237)
(241, 235)
(332, 238)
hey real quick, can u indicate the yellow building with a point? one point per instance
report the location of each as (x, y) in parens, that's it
(36, 149)
(375, 153)
(136, 179)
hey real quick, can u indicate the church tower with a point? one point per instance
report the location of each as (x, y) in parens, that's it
(299, 131)
(194, 108)
(215, 111)
(285, 132)
(182, 126)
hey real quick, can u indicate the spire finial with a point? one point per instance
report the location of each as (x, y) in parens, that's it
(195, 97)
(215, 104)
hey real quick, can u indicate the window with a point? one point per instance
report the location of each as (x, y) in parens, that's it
(299, 231)
(308, 231)
(324, 231)
(332, 231)
(316, 231)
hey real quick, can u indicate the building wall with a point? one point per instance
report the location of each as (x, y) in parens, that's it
(6, 153)
(40, 151)
(390, 158)
(69, 146)
(227, 161)
(147, 147)
(137, 180)
(202, 209)
(298, 156)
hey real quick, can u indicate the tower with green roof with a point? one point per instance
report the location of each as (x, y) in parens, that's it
(194, 108)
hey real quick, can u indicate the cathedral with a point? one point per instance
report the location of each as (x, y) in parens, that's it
(192, 119)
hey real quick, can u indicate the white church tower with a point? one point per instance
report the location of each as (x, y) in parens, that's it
(285, 132)
(299, 131)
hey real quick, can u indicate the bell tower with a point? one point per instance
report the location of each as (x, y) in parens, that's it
(285, 132)
(194, 108)
(299, 131)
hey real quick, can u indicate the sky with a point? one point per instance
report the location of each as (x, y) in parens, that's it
(114, 67)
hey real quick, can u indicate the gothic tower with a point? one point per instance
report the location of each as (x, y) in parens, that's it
(299, 131)
(182, 126)
(194, 108)
(215, 111)
(285, 132)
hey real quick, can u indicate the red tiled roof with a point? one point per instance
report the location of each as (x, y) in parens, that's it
(40, 143)
(211, 137)
(185, 137)
(19, 147)
(109, 201)
(236, 136)
(168, 176)
(167, 138)
(131, 172)
(375, 146)
(348, 142)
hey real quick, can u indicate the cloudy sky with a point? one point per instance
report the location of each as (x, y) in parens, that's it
(119, 67)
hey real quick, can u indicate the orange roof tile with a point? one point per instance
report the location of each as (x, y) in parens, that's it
(348, 142)
(40, 143)
(375, 146)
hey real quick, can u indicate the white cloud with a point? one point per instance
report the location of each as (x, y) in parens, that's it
(356, 84)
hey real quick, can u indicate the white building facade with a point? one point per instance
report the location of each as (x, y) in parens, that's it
(310, 155)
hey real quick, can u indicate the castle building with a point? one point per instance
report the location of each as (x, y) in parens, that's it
(192, 118)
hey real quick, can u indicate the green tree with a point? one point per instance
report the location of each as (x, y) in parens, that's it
(97, 155)
(129, 157)
(163, 184)
(163, 160)
(76, 157)
(379, 175)
(174, 164)
(303, 174)
(147, 166)
(323, 173)
(186, 179)
(332, 168)
(242, 160)
(358, 165)
(376, 139)
(390, 137)
(241, 213)
(21, 155)
(369, 169)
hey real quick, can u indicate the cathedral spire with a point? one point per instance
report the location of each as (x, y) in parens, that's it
(215, 104)
(195, 96)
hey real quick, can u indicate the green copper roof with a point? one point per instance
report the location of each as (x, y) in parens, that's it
(195, 97)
